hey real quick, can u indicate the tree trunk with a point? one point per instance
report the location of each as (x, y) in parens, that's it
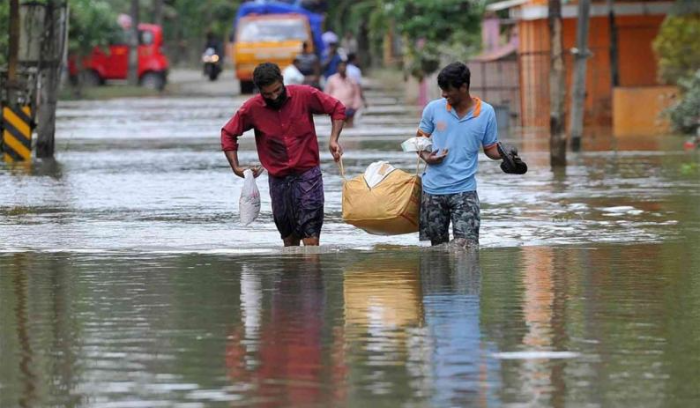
(578, 91)
(557, 91)
(134, 44)
(158, 12)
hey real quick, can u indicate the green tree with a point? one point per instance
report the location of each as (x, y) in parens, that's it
(677, 47)
(430, 29)
(92, 23)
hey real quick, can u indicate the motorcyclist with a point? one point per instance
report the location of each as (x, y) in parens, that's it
(215, 43)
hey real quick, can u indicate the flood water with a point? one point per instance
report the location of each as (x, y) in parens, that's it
(126, 279)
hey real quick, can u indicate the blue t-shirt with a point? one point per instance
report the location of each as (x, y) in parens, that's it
(463, 138)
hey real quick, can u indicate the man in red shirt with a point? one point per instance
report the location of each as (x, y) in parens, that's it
(285, 137)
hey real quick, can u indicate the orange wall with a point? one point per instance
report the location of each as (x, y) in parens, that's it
(637, 64)
(637, 110)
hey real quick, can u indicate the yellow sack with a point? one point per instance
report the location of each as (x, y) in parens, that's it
(390, 207)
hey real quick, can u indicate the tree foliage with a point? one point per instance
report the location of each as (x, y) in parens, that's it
(677, 47)
(430, 29)
(92, 23)
(685, 115)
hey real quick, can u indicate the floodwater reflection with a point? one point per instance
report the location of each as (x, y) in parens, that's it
(537, 326)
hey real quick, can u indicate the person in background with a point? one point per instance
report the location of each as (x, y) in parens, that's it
(355, 73)
(213, 42)
(346, 90)
(329, 66)
(349, 43)
(292, 75)
(310, 66)
(287, 145)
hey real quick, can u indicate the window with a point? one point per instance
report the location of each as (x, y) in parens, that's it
(272, 30)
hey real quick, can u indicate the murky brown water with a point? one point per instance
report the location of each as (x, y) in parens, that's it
(595, 325)
(127, 281)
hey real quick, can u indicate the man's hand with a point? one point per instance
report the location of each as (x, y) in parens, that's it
(435, 157)
(257, 170)
(336, 150)
(512, 163)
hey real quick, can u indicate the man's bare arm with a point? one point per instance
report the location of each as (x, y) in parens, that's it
(232, 157)
(333, 145)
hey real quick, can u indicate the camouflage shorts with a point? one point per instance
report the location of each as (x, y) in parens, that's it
(437, 211)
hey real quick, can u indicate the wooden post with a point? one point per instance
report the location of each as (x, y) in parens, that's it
(578, 89)
(557, 91)
(134, 44)
(614, 64)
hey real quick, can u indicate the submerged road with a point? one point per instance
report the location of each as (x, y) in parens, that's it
(148, 175)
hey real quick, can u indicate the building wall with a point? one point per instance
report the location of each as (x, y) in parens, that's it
(637, 64)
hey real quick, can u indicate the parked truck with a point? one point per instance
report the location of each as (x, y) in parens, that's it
(272, 32)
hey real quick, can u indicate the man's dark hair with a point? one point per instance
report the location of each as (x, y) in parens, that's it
(266, 74)
(456, 74)
(352, 57)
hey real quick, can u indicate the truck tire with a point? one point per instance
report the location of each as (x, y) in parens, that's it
(91, 78)
(247, 87)
(153, 80)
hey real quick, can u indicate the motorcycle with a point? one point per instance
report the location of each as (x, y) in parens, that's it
(212, 63)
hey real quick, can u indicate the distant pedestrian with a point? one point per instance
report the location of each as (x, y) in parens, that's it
(287, 145)
(346, 90)
(349, 43)
(355, 73)
(292, 75)
(329, 66)
(309, 65)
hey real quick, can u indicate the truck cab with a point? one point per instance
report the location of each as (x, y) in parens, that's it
(271, 32)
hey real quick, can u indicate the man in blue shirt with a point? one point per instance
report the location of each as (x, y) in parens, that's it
(459, 125)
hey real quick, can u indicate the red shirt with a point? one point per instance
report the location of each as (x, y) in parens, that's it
(286, 138)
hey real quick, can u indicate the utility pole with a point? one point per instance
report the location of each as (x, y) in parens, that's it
(13, 58)
(53, 46)
(578, 90)
(134, 44)
(557, 91)
(12, 83)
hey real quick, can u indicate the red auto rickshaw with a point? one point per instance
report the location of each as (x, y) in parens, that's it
(112, 62)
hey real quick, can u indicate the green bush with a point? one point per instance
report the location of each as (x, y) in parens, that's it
(685, 115)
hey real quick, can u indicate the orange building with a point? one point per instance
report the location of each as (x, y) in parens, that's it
(631, 107)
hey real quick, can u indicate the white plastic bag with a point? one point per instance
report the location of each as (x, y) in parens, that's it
(376, 172)
(417, 144)
(249, 204)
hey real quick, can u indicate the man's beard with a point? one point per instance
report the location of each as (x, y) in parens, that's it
(277, 103)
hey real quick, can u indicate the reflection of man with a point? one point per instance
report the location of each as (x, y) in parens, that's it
(285, 137)
(294, 364)
(451, 286)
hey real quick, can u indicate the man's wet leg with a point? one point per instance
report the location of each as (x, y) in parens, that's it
(291, 240)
